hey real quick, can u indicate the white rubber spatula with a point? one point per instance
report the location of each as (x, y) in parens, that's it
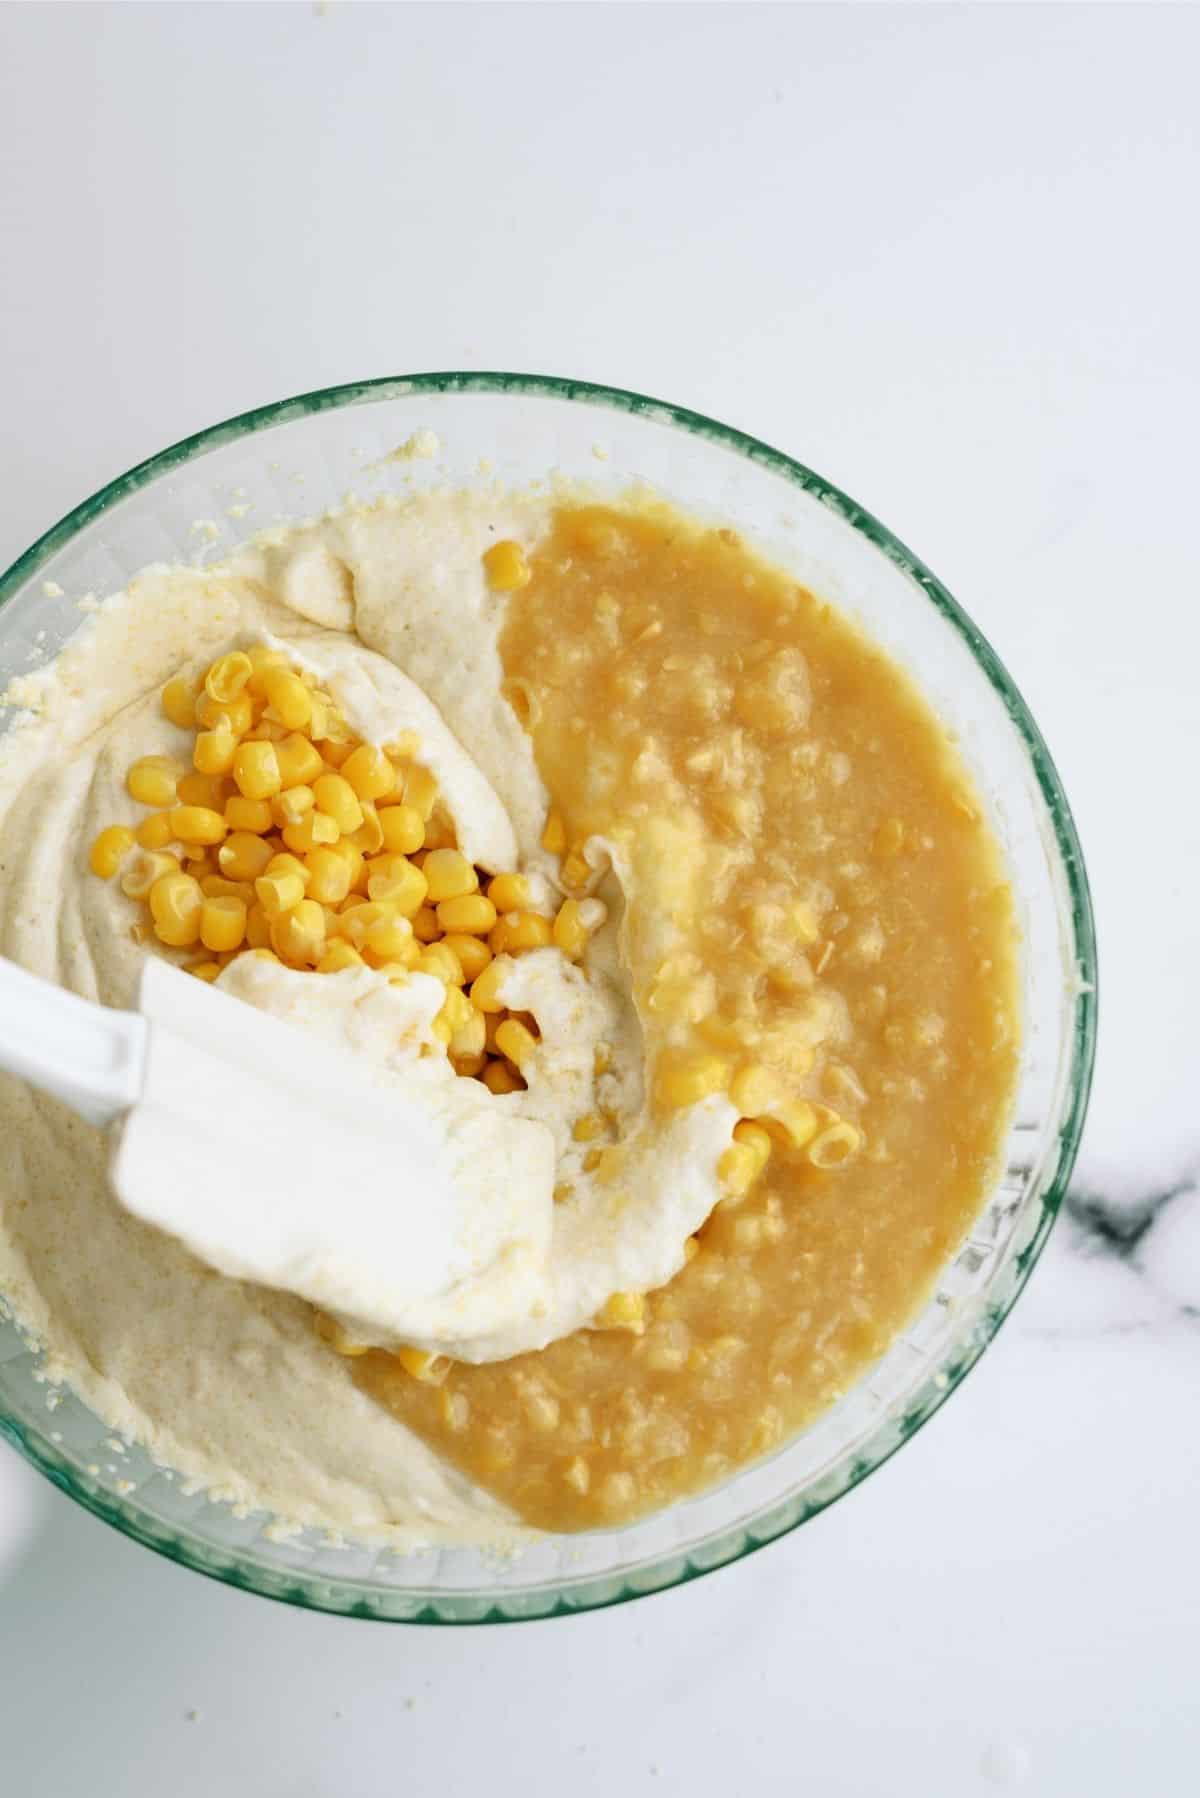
(279, 1159)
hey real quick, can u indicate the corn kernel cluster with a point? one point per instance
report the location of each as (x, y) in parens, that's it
(291, 838)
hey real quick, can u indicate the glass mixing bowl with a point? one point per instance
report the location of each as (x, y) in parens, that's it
(302, 456)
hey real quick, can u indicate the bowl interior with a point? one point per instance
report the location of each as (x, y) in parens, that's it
(303, 456)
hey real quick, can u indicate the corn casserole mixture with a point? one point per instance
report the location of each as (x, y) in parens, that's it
(570, 811)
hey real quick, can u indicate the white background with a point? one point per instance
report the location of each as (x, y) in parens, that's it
(947, 256)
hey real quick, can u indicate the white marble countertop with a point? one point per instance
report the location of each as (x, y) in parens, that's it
(947, 256)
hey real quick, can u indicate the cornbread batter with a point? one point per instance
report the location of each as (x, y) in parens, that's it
(710, 896)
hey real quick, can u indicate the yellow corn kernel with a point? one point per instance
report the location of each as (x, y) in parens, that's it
(154, 832)
(338, 800)
(298, 934)
(262, 658)
(179, 702)
(420, 791)
(468, 1067)
(244, 856)
(402, 829)
(339, 955)
(471, 953)
(299, 761)
(519, 931)
(623, 1311)
(355, 864)
(215, 886)
(470, 915)
(279, 893)
(457, 1009)
(485, 987)
(449, 875)
(331, 1331)
(287, 696)
(515, 1042)
(197, 824)
(222, 924)
(426, 928)
(399, 881)
(442, 963)
(369, 772)
(154, 779)
(256, 770)
(332, 875)
(291, 806)
(569, 933)
(686, 1079)
(499, 1078)
(209, 790)
(236, 715)
(109, 850)
(369, 835)
(554, 836)
(510, 892)
(575, 871)
(431, 1370)
(175, 905)
(793, 1123)
(838, 1143)
(334, 753)
(315, 829)
(204, 970)
(145, 868)
(588, 1127)
(439, 830)
(744, 1160)
(214, 750)
(258, 930)
(287, 863)
(198, 859)
(389, 939)
(227, 677)
(253, 815)
(753, 1088)
(467, 1041)
(505, 566)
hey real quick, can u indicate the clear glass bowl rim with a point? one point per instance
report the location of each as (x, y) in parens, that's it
(1084, 1001)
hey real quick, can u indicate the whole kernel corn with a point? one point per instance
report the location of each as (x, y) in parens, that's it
(228, 675)
(431, 1370)
(575, 871)
(331, 876)
(510, 892)
(179, 703)
(402, 829)
(215, 886)
(288, 697)
(252, 815)
(210, 790)
(330, 1331)
(369, 835)
(256, 770)
(623, 1311)
(262, 658)
(466, 1043)
(339, 955)
(214, 750)
(153, 780)
(420, 791)
(516, 1042)
(519, 931)
(145, 868)
(335, 753)
(222, 923)
(499, 1078)
(287, 863)
(369, 772)
(204, 970)
(400, 882)
(439, 831)
(568, 930)
(109, 850)
(468, 915)
(244, 856)
(314, 830)
(685, 1080)
(279, 893)
(457, 1009)
(291, 806)
(425, 925)
(176, 903)
(299, 761)
(298, 935)
(554, 836)
(505, 566)
(338, 800)
(442, 963)
(471, 953)
(154, 832)
(197, 824)
(258, 930)
(389, 939)
(236, 715)
(449, 875)
(753, 1089)
(485, 987)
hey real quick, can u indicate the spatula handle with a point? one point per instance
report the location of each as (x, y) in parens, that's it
(86, 1055)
